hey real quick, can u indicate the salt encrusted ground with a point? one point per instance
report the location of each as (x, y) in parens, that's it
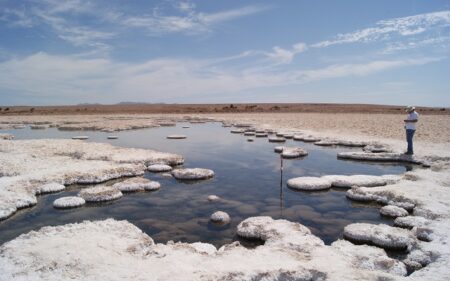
(123, 252)
(27, 165)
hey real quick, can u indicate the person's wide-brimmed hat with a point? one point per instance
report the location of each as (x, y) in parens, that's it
(409, 108)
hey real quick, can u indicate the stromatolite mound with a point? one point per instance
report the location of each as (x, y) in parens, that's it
(393, 211)
(213, 198)
(381, 235)
(101, 193)
(293, 152)
(50, 188)
(176, 137)
(220, 217)
(136, 184)
(159, 168)
(68, 202)
(309, 183)
(192, 174)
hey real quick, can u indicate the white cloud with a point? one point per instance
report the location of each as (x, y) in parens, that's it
(16, 18)
(60, 79)
(284, 56)
(405, 26)
(190, 22)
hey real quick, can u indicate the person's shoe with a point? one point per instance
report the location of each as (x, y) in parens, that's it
(408, 153)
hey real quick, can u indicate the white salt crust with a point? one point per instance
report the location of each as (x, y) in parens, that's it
(290, 252)
(80, 137)
(326, 182)
(50, 188)
(309, 183)
(192, 173)
(411, 221)
(220, 217)
(136, 184)
(68, 202)
(381, 157)
(213, 198)
(159, 168)
(101, 193)
(27, 165)
(293, 152)
(381, 235)
(393, 211)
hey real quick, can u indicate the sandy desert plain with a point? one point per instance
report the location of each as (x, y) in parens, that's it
(419, 199)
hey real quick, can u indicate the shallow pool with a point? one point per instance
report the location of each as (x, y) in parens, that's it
(248, 179)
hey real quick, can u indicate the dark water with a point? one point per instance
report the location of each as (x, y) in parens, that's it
(248, 179)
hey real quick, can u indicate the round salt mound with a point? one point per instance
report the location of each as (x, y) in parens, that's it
(393, 211)
(100, 193)
(112, 137)
(68, 202)
(293, 152)
(192, 174)
(220, 217)
(309, 183)
(50, 188)
(159, 168)
(136, 184)
(213, 198)
(176, 137)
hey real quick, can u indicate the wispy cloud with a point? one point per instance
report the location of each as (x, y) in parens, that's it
(83, 79)
(405, 26)
(285, 56)
(190, 21)
(16, 18)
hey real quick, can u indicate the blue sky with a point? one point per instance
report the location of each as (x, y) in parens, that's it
(77, 51)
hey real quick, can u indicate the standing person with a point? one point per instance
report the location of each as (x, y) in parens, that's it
(410, 126)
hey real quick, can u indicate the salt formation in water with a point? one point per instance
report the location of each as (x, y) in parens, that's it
(112, 137)
(80, 138)
(213, 198)
(293, 152)
(381, 235)
(277, 139)
(261, 134)
(326, 182)
(101, 193)
(376, 148)
(38, 127)
(250, 139)
(290, 252)
(378, 258)
(382, 157)
(192, 173)
(158, 168)
(6, 137)
(326, 142)
(220, 217)
(309, 183)
(237, 131)
(136, 184)
(393, 211)
(19, 126)
(417, 259)
(411, 221)
(50, 188)
(68, 202)
(176, 137)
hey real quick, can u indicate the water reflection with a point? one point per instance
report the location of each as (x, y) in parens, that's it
(250, 179)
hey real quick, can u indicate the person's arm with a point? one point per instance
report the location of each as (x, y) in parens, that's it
(411, 121)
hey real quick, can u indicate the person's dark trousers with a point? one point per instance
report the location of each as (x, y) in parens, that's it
(409, 139)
